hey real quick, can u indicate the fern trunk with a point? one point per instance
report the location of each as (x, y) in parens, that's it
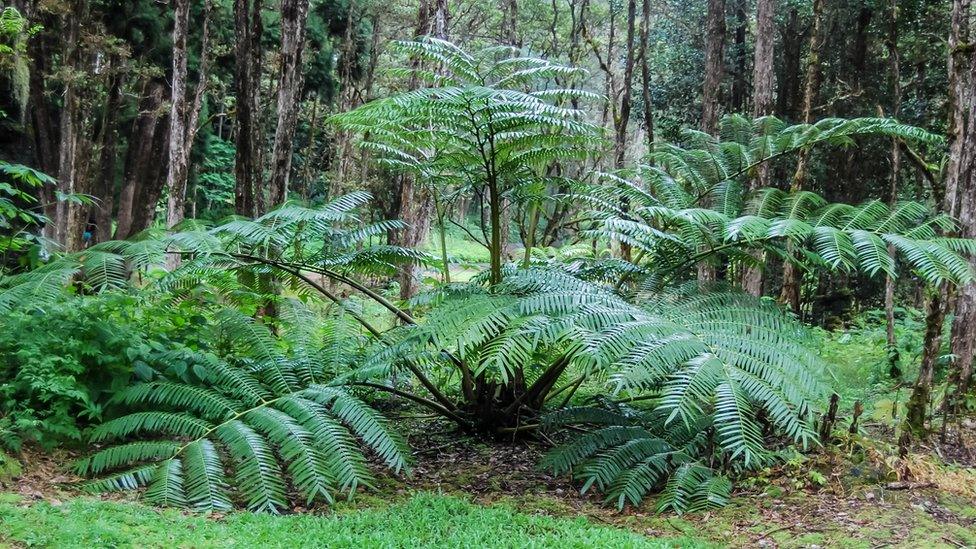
(495, 219)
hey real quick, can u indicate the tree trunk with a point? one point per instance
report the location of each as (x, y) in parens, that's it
(961, 179)
(958, 200)
(622, 119)
(889, 297)
(859, 51)
(762, 77)
(811, 87)
(416, 206)
(248, 192)
(184, 116)
(738, 101)
(347, 101)
(789, 90)
(711, 91)
(623, 114)
(151, 189)
(149, 124)
(762, 104)
(791, 275)
(646, 76)
(68, 227)
(495, 219)
(915, 411)
(294, 13)
(510, 25)
(714, 65)
(109, 138)
(42, 122)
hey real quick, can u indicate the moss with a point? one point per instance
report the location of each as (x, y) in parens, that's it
(10, 468)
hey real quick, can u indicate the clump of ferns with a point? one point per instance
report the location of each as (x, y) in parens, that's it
(262, 428)
(628, 452)
(718, 376)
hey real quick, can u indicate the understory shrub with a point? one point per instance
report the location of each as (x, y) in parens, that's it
(61, 364)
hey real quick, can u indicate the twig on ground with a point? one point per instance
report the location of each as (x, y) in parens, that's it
(780, 529)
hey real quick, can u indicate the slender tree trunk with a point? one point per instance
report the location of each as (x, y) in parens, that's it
(109, 138)
(646, 75)
(248, 28)
(184, 115)
(622, 119)
(294, 14)
(789, 90)
(68, 230)
(791, 275)
(510, 26)
(859, 51)
(711, 93)
(763, 83)
(961, 178)
(714, 65)
(889, 299)
(915, 411)
(623, 113)
(762, 104)
(495, 218)
(811, 87)
(347, 101)
(738, 102)
(416, 205)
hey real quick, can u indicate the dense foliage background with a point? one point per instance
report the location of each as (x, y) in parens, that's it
(681, 245)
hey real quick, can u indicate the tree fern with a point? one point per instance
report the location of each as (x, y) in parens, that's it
(276, 248)
(267, 420)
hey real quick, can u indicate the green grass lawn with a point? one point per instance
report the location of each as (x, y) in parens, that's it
(424, 520)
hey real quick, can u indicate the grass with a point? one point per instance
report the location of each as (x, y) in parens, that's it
(424, 520)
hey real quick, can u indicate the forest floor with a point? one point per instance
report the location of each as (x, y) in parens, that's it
(461, 488)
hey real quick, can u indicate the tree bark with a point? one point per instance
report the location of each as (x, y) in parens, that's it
(789, 89)
(738, 100)
(109, 138)
(623, 113)
(184, 115)
(762, 76)
(811, 87)
(762, 104)
(68, 226)
(416, 206)
(711, 93)
(294, 14)
(646, 76)
(248, 191)
(622, 118)
(915, 410)
(140, 170)
(958, 199)
(714, 65)
(889, 296)
(510, 25)
(961, 179)
(347, 101)
(790, 293)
